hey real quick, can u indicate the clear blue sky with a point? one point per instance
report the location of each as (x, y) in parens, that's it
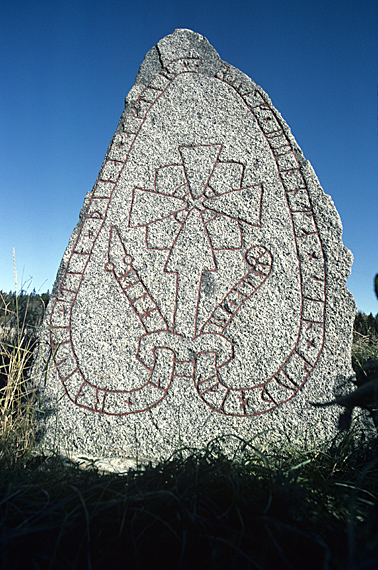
(67, 66)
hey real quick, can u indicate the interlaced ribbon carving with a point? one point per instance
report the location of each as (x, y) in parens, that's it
(200, 195)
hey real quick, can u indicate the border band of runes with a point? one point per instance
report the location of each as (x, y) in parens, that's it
(297, 366)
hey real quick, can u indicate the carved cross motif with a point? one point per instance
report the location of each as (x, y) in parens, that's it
(202, 200)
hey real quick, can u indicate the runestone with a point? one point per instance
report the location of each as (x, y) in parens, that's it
(203, 293)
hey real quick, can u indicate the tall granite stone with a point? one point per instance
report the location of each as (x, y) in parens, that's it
(203, 291)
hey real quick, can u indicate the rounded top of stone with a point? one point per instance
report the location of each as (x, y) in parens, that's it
(182, 43)
(186, 31)
(185, 41)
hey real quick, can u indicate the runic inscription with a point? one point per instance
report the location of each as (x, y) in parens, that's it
(199, 211)
(202, 295)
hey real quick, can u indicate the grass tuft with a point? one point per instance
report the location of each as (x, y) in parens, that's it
(197, 510)
(18, 338)
(364, 348)
(17, 397)
(267, 507)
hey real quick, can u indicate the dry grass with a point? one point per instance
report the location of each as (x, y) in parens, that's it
(364, 348)
(17, 397)
(16, 400)
(286, 508)
(17, 394)
(197, 510)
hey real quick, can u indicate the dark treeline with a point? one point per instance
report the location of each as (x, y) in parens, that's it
(31, 306)
(20, 318)
(367, 325)
(25, 308)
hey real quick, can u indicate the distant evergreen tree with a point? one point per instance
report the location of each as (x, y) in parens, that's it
(370, 321)
(27, 309)
(31, 308)
(366, 325)
(359, 323)
(22, 312)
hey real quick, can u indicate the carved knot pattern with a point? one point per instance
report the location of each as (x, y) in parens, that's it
(196, 207)
(198, 192)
